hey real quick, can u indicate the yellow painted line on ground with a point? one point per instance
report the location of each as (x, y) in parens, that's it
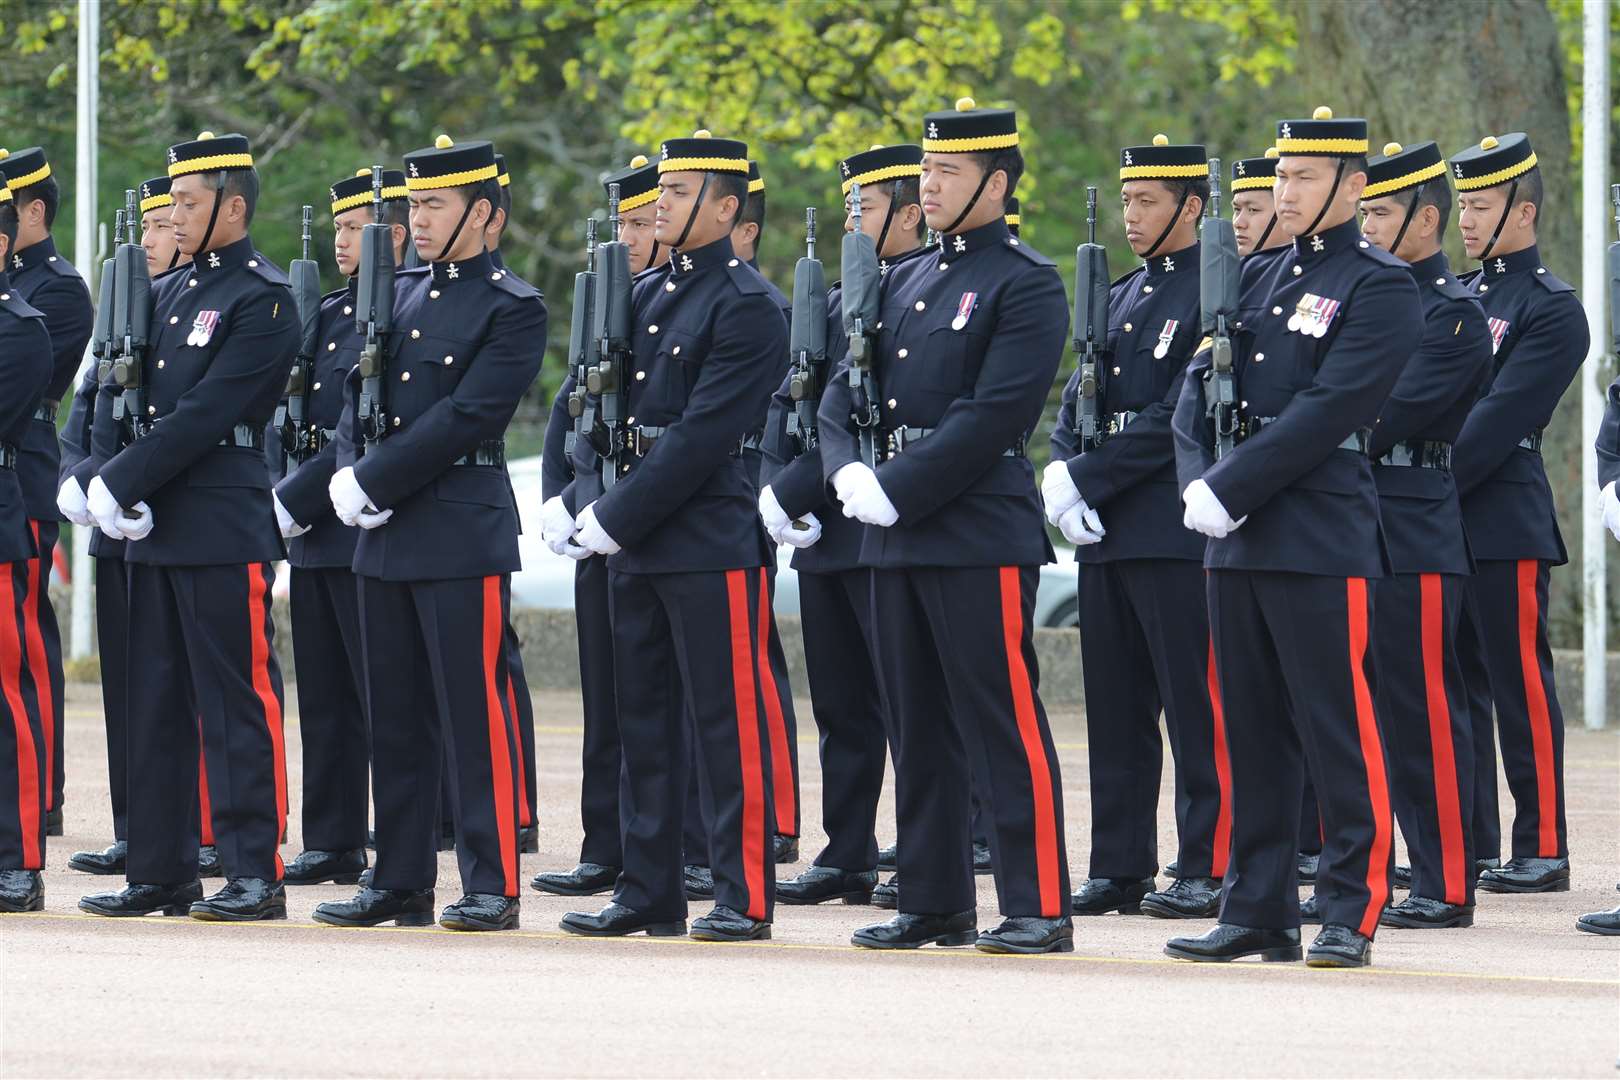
(966, 953)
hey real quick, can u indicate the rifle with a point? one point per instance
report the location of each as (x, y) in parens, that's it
(582, 344)
(374, 314)
(1219, 271)
(101, 345)
(1090, 323)
(131, 329)
(292, 413)
(860, 300)
(610, 325)
(807, 340)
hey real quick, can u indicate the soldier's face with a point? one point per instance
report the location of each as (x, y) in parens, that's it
(193, 207)
(636, 230)
(346, 230)
(1150, 207)
(948, 181)
(1381, 221)
(677, 194)
(1477, 215)
(1251, 213)
(434, 217)
(157, 240)
(1303, 186)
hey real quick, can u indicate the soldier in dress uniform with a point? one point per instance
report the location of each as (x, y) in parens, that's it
(191, 495)
(46, 280)
(320, 548)
(1422, 702)
(1144, 634)
(422, 468)
(25, 371)
(1292, 515)
(687, 569)
(1539, 335)
(964, 352)
(570, 481)
(834, 586)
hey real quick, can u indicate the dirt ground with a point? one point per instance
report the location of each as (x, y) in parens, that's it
(1520, 994)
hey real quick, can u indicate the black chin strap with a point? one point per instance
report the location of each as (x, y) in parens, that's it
(213, 217)
(1181, 204)
(450, 243)
(652, 257)
(1260, 245)
(1513, 190)
(1338, 177)
(1406, 222)
(174, 260)
(966, 210)
(883, 233)
(691, 219)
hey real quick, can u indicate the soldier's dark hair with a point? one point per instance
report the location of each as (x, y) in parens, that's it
(505, 205)
(1356, 164)
(1180, 189)
(1435, 193)
(1009, 160)
(724, 184)
(906, 192)
(484, 189)
(1531, 190)
(233, 182)
(753, 210)
(397, 212)
(46, 192)
(8, 225)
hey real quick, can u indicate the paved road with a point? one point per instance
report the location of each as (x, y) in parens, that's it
(1520, 994)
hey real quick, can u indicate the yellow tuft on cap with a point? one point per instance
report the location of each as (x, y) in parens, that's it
(1322, 113)
(1271, 151)
(1161, 139)
(1391, 149)
(443, 142)
(638, 161)
(966, 104)
(1488, 143)
(702, 133)
(203, 136)
(875, 146)
(4, 153)
(362, 172)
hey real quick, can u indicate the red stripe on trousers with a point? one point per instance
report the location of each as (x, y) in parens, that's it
(753, 770)
(522, 766)
(28, 778)
(1372, 758)
(1443, 754)
(1535, 702)
(205, 812)
(39, 664)
(787, 814)
(258, 586)
(500, 756)
(1223, 773)
(1040, 771)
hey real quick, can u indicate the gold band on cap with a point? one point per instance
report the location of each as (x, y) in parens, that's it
(756, 186)
(30, 178)
(456, 179)
(878, 176)
(1322, 146)
(349, 202)
(1014, 219)
(1254, 183)
(1164, 172)
(703, 164)
(156, 202)
(967, 146)
(1500, 176)
(636, 202)
(1400, 183)
(209, 164)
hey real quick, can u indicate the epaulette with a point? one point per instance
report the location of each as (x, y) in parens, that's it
(1551, 282)
(267, 270)
(509, 283)
(1470, 277)
(1379, 255)
(1452, 288)
(749, 282)
(334, 294)
(1018, 247)
(1126, 276)
(13, 302)
(62, 268)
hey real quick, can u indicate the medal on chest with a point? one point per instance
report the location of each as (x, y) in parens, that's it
(964, 309)
(1499, 329)
(1312, 315)
(1166, 336)
(202, 328)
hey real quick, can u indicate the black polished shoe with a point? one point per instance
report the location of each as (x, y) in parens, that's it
(1424, 913)
(133, 900)
(728, 924)
(887, 895)
(616, 920)
(1482, 865)
(1228, 942)
(481, 911)
(528, 840)
(208, 864)
(315, 867)
(1172, 869)
(109, 860)
(889, 859)
(1310, 912)
(818, 884)
(244, 899)
(373, 907)
(1338, 946)
(1402, 878)
(1525, 875)
(586, 879)
(1186, 898)
(1600, 922)
(1099, 896)
(21, 890)
(915, 931)
(1308, 865)
(785, 849)
(53, 822)
(698, 881)
(982, 863)
(1029, 934)
(366, 877)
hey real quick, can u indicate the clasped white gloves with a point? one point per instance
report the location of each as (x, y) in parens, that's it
(352, 504)
(783, 529)
(857, 487)
(71, 502)
(557, 529)
(1611, 509)
(1080, 525)
(286, 522)
(1058, 490)
(1205, 514)
(591, 534)
(113, 520)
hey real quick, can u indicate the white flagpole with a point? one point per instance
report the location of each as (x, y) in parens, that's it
(84, 257)
(1594, 380)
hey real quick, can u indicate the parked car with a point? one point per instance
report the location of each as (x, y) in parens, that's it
(547, 579)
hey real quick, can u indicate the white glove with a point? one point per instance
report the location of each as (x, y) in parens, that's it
(286, 522)
(771, 513)
(103, 508)
(1611, 509)
(1058, 490)
(858, 489)
(556, 525)
(801, 533)
(592, 535)
(370, 519)
(348, 499)
(574, 551)
(1080, 525)
(1205, 514)
(134, 524)
(71, 502)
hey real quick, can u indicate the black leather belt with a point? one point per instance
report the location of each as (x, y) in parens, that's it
(47, 412)
(8, 456)
(245, 436)
(1251, 426)
(492, 452)
(897, 439)
(1532, 441)
(638, 440)
(1419, 454)
(310, 442)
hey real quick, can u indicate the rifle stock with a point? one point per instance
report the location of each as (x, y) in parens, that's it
(1091, 286)
(807, 340)
(1219, 270)
(374, 314)
(611, 330)
(862, 278)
